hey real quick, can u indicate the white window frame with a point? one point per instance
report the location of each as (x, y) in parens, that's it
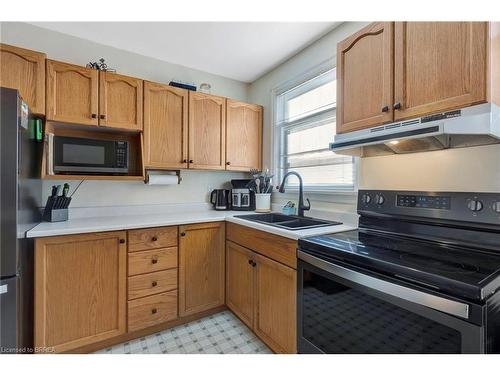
(276, 136)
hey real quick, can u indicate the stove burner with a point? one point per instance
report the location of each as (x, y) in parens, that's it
(437, 264)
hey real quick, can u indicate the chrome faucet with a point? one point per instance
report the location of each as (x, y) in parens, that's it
(301, 207)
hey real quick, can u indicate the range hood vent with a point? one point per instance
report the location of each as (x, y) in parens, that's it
(471, 126)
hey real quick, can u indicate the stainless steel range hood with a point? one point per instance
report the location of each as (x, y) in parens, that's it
(471, 126)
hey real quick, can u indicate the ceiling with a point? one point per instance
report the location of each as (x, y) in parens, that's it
(239, 50)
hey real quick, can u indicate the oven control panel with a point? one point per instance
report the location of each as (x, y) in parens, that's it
(423, 201)
(460, 206)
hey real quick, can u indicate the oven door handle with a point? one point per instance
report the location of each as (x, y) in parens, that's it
(425, 299)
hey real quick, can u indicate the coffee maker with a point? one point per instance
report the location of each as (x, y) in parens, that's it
(242, 198)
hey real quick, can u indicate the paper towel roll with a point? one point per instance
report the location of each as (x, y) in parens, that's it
(163, 179)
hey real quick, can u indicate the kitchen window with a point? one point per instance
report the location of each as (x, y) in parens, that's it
(305, 118)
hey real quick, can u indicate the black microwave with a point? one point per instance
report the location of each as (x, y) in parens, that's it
(73, 155)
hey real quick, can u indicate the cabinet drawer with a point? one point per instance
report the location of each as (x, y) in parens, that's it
(152, 283)
(278, 248)
(152, 260)
(149, 311)
(154, 238)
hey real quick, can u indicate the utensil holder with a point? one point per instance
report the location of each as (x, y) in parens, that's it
(263, 202)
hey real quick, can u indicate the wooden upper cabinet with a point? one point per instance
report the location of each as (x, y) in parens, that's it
(80, 289)
(24, 70)
(439, 66)
(240, 283)
(275, 318)
(243, 136)
(120, 101)
(165, 126)
(201, 267)
(72, 93)
(207, 131)
(365, 78)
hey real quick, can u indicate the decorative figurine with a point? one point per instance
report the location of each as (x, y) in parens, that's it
(101, 65)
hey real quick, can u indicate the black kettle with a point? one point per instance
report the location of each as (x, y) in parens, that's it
(220, 199)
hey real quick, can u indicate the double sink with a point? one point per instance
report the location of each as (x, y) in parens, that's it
(290, 222)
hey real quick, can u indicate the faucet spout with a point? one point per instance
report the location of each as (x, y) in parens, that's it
(301, 207)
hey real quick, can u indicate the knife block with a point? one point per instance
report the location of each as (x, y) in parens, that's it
(55, 214)
(52, 214)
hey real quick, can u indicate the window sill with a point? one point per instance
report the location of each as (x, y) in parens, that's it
(331, 196)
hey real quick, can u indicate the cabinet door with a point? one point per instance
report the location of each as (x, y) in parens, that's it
(165, 126)
(365, 78)
(438, 66)
(80, 289)
(201, 267)
(24, 70)
(243, 136)
(240, 282)
(207, 131)
(275, 305)
(120, 101)
(72, 93)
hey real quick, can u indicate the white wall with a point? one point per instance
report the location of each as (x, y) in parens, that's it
(194, 188)
(58, 46)
(468, 169)
(474, 169)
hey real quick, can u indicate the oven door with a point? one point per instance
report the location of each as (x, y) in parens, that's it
(343, 311)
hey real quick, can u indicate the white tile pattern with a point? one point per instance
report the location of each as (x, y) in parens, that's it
(221, 333)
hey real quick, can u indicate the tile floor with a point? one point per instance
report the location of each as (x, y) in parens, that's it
(221, 333)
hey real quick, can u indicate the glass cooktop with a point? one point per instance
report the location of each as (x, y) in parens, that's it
(457, 270)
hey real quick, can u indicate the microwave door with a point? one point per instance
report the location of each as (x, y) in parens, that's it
(83, 155)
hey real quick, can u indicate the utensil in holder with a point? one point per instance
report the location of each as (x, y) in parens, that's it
(56, 209)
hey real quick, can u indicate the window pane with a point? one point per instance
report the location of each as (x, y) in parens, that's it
(325, 175)
(309, 139)
(310, 102)
(305, 121)
(315, 158)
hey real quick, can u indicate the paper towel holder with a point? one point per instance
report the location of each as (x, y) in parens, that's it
(176, 172)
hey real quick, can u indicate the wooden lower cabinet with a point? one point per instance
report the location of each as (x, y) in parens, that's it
(86, 297)
(262, 293)
(80, 289)
(152, 277)
(275, 305)
(240, 282)
(201, 267)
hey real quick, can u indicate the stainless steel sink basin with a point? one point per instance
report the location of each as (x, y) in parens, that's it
(290, 222)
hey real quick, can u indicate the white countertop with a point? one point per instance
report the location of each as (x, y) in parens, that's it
(122, 218)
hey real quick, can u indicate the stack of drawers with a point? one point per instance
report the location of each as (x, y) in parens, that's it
(152, 277)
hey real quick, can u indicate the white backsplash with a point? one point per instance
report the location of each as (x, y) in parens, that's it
(194, 188)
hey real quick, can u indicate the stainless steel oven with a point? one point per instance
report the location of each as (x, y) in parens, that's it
(421, 274)
(343, 310)
(73, 155)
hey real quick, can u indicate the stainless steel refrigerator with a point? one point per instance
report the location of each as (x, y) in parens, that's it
(20, 199)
